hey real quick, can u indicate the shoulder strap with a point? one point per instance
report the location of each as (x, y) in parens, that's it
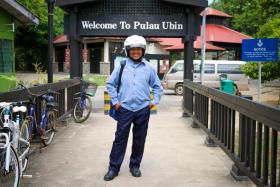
(120, 75)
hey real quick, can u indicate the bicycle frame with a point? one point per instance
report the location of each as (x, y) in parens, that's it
(82, 103)
(32, 114)
(44, 119)
(9, 124)
(6, 146)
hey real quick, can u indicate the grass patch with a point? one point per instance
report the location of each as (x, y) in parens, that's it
(41, 78)
(100, 80)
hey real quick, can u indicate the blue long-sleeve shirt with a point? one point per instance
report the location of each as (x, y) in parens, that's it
(134, 93)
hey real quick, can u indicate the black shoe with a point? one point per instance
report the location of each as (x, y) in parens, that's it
(135, 172)
(110, 175)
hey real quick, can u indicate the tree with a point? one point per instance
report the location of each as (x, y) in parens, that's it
(271, 29)
(31, 41)
(270, 70)
(257, 18)
(248, 15)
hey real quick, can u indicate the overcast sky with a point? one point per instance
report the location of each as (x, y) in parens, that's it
(210, 1)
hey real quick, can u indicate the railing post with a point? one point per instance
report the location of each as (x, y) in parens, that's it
(208, 141)
(256, 131)
(236, 173)
(196, 110)
(187, 102)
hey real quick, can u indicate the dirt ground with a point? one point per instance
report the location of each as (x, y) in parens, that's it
(270, 92)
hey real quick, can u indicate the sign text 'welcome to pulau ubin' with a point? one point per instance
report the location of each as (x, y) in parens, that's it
(171, 26)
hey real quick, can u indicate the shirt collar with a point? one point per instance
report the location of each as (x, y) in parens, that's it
(144, 61)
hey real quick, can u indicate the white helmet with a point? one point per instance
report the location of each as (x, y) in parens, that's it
(133, 42)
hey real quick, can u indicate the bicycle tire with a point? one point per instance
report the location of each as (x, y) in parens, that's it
(78, 113)
(11, 179)
(49, 130)
(24, 134)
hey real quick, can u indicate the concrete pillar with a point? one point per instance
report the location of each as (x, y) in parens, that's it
(105, 66)
(54, 63)
(66, 66)
(86, 63)
(106, 51)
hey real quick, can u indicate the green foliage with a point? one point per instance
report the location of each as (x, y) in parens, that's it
(41, 74)
(250, 69)
(271, 29)
(175, 56)
(257, 18)
(249, 15)
(270, 70)
(31, 41)
(98, 79)
(8, 82)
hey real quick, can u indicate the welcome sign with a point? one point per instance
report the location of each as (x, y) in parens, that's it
(171, 26)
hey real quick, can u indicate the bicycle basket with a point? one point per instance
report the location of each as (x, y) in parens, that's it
(90, 88)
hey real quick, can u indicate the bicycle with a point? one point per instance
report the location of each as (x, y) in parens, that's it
(46, 128)
(14, 147)
(83, 106)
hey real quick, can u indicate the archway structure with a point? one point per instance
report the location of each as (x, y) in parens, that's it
(149, 18)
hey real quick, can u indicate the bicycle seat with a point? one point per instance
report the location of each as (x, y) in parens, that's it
(19, 109)
(4, 104)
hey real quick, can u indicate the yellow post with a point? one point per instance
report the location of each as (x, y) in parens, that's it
(107, 104)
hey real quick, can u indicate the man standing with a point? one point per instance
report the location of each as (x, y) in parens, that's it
(132, 104)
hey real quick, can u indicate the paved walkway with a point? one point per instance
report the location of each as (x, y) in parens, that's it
(174, 156)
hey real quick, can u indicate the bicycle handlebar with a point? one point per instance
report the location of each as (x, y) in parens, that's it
(49, 91)
(28, 91)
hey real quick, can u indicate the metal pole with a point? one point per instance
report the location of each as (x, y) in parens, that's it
(260, 82)
(203, 46)
(50, 38)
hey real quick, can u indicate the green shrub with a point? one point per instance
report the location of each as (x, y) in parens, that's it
(7, 82)
(270, 70)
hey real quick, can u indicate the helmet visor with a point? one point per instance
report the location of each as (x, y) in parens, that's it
(136, 46)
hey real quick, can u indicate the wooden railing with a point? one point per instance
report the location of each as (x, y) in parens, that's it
(65, 99)
(246, 131)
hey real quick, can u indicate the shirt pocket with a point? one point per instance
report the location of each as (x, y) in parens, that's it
(143, 75)
(127, 77)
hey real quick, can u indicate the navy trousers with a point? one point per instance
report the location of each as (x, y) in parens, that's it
(140, 120)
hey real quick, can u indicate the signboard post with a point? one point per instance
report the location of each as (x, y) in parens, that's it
(260, 50)
(203, 47)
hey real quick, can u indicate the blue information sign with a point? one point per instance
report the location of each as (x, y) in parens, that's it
(260, 50)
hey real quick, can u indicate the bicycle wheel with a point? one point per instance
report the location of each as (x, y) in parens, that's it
(81, 113)
(22, 146)
(11, 178)
(49, 129)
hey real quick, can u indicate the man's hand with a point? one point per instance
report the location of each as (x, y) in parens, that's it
(117, 106)
(151, 105)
